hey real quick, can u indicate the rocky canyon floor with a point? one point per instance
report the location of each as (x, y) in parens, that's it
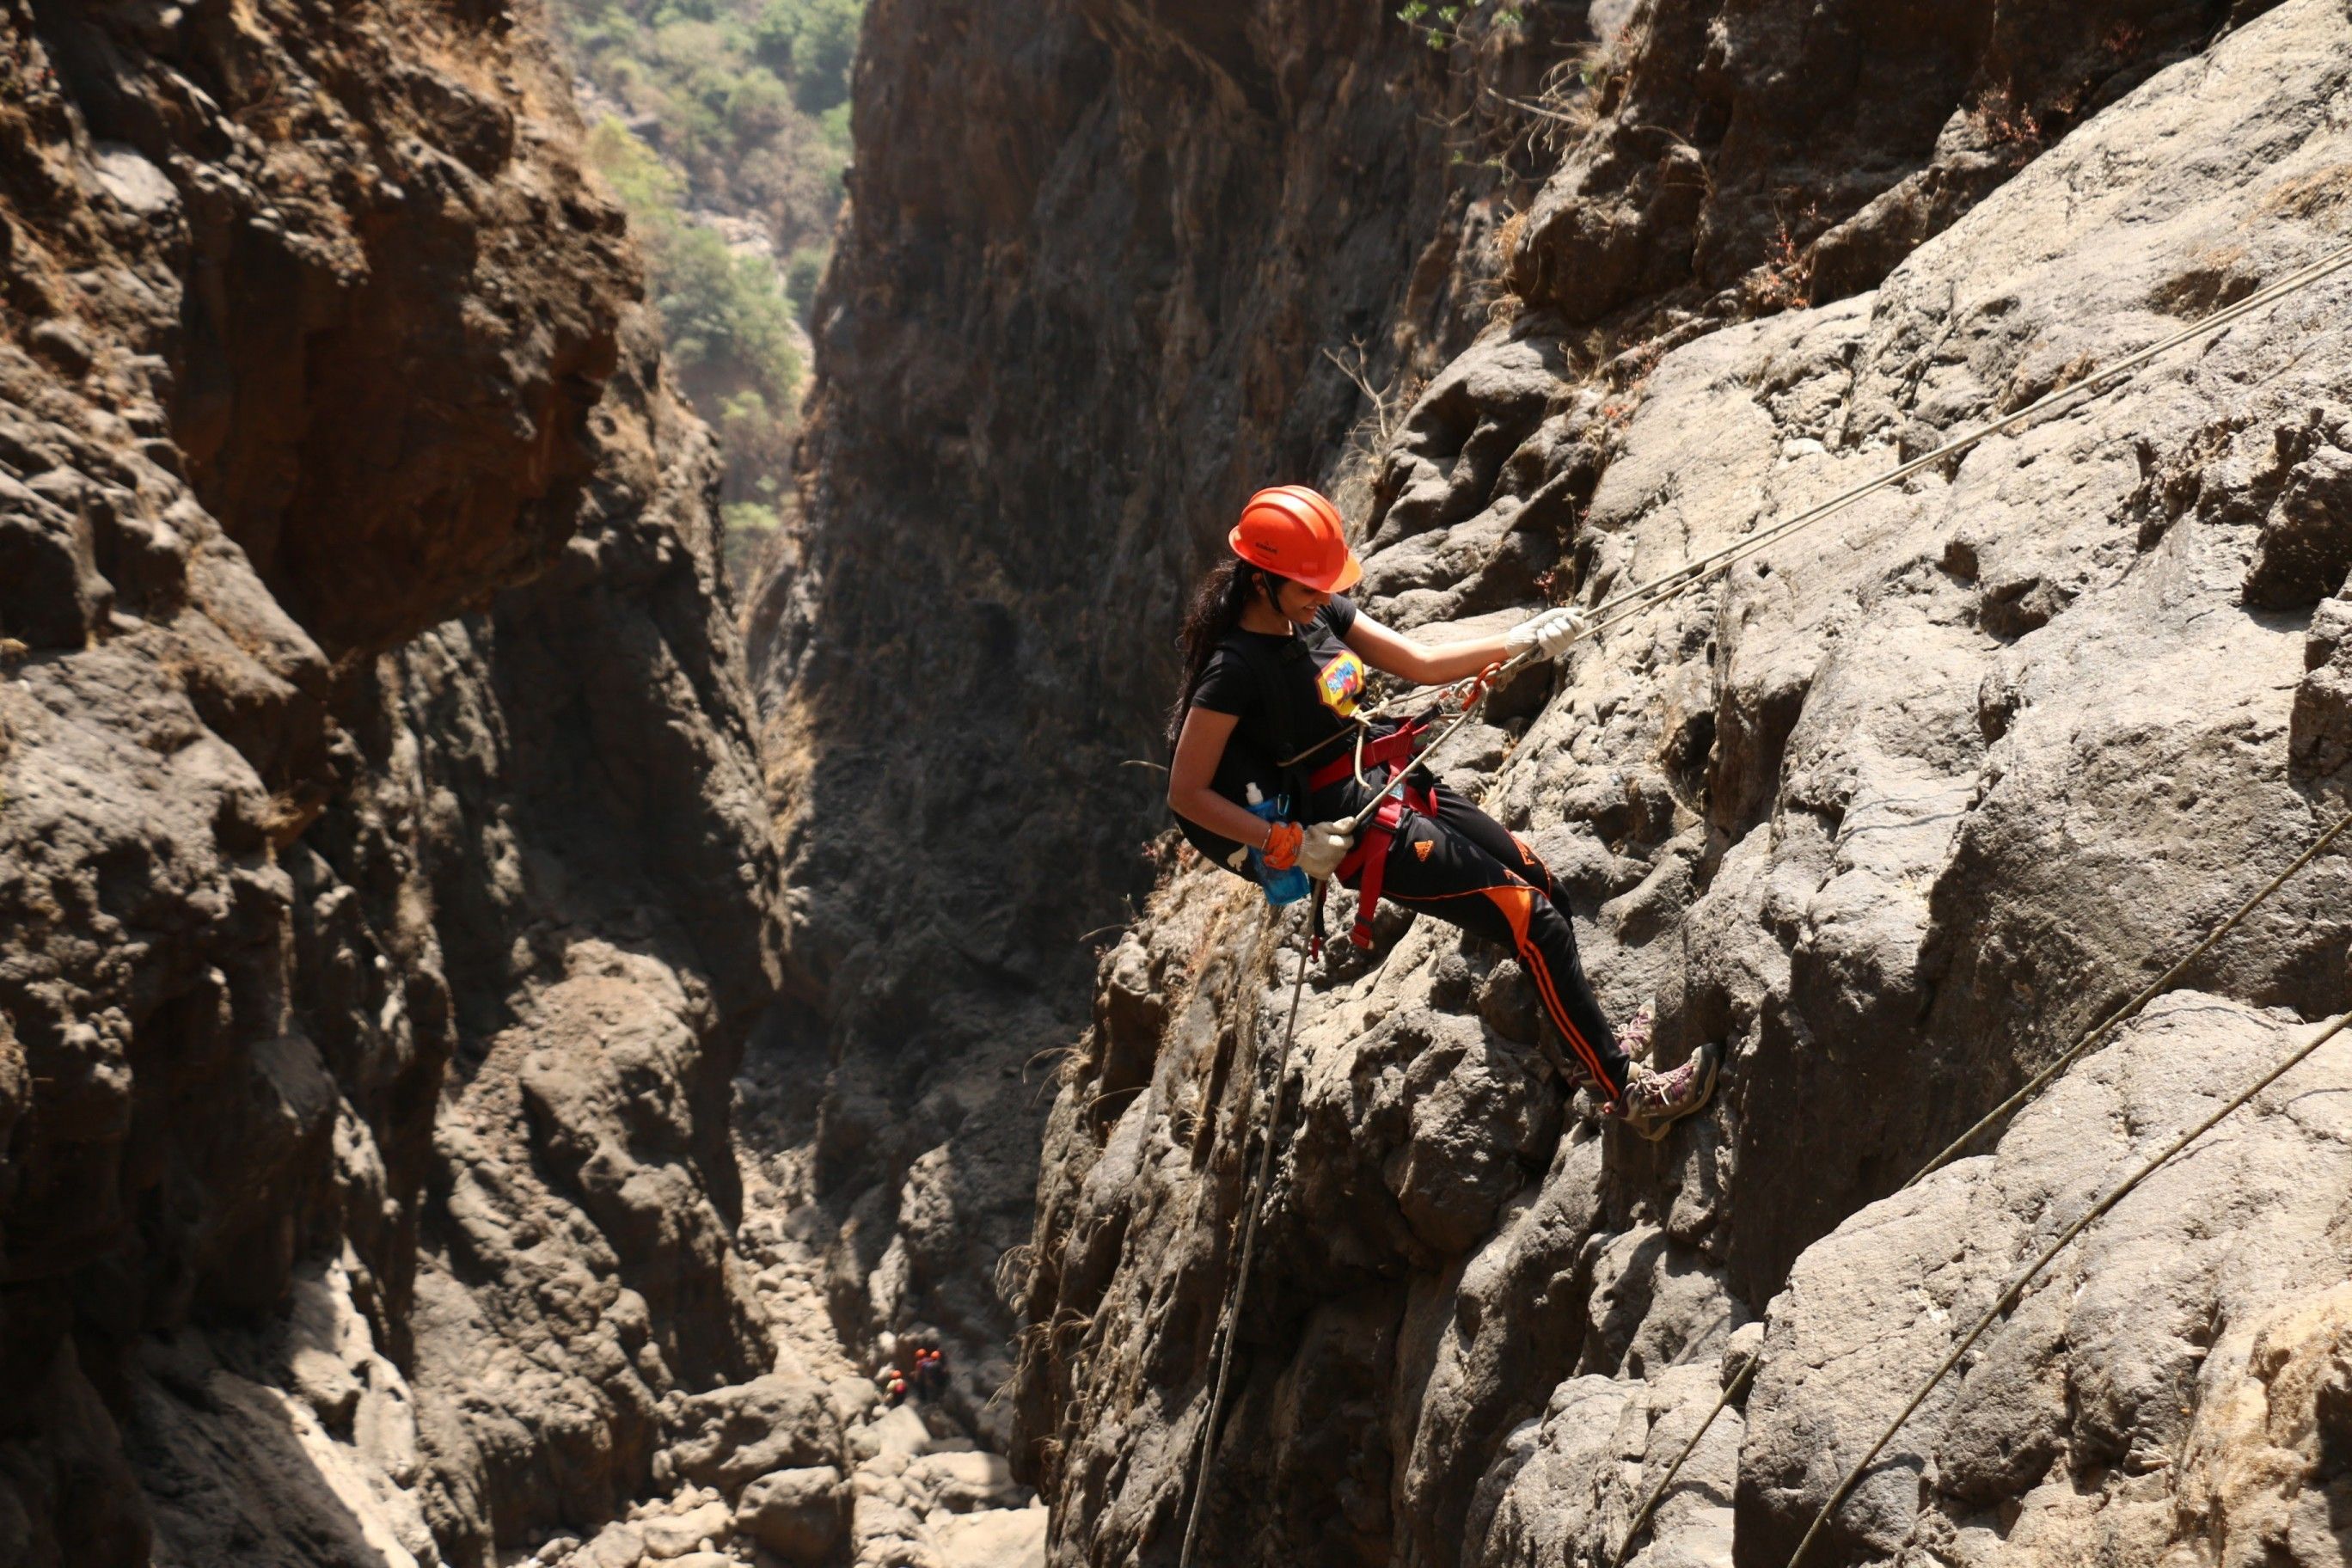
(907, 1487)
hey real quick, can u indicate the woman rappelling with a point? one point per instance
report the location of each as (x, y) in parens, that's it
(1266, 762)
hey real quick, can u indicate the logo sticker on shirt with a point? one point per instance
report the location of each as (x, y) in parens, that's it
(1341, 683)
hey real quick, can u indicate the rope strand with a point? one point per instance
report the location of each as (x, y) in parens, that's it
(2016, 1287)
(1649, 1504)
(1256, 1199)
(2162, 982)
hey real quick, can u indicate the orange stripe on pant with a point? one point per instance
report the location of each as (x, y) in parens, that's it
(1517, 904)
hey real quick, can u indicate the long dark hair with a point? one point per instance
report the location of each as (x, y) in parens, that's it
(1217, 606)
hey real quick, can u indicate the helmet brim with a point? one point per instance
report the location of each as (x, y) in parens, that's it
(1351, 571)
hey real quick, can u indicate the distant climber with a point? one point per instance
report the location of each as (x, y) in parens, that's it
(1275, 661)
(930, 1374)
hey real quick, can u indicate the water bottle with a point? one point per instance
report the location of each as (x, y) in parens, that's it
(1286, 886)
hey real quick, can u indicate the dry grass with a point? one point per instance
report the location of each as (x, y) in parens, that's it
(1576, 92)
(1387, 401)
(1087, 1110)
(1999, 120)
(1785, 281)
(1067, 1052)
(2312, 195)
(1016, 1269)
(1506, 234)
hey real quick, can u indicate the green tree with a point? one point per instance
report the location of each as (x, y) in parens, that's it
(725, 317)
(741, 108)
(802, 275)
(820, 39)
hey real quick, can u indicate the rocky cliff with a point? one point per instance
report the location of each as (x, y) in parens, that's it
(388, 889)
(1896, 811)
(385, 890)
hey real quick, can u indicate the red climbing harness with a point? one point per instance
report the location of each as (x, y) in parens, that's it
(1366, 864)
(1376, 826)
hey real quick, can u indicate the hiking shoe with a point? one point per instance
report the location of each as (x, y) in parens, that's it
(1635, 1040)
(1654, 1101)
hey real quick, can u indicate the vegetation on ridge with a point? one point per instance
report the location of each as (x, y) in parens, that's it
(723, 127)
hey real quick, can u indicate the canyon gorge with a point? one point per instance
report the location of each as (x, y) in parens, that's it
(504, 1030)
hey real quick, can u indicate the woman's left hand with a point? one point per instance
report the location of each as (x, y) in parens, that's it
(1548, 634)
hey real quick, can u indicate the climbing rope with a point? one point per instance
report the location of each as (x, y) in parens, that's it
(1646, 596)
(1731, 1391)
(2034, 1086)
(2156, 987)
(2009, 1295)
(1255, 1201)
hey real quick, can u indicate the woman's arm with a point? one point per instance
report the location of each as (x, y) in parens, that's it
(1199, 747)
(1409, 660)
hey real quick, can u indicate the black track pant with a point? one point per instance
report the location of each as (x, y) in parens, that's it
(1467, 869)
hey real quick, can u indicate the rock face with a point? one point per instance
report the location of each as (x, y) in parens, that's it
(378, 930)
(1896, 810)
(1795, 150)
(2169, 1389)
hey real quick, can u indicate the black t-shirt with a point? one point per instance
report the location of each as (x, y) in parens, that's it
(1291, 691)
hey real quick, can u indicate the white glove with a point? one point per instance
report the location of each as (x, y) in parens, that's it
(1326, 845)
(1548, 633)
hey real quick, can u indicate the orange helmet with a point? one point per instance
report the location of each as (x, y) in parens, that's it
(1295, 532)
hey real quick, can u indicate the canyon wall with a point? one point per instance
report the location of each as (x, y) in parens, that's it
(385, 887)
(1049, 365)
(1075, 314)
(396, 871)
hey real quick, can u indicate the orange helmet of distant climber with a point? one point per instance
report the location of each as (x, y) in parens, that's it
(1295, 532)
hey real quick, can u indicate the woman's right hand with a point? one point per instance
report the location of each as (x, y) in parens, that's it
(1326, 845)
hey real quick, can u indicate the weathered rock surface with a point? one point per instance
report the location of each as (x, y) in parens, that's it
(1896, 811)
(2171, 1389)
(730, 1437)
(1799, 150)
(797, 1514)
(378, 929)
